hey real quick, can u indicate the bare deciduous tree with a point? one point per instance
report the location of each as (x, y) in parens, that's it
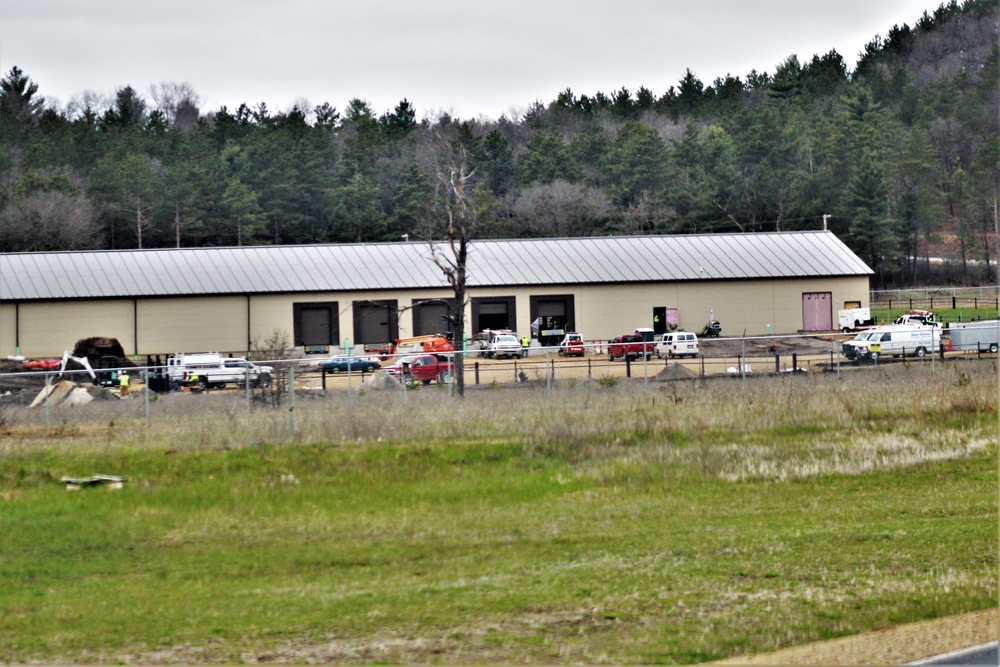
(178, 102)
(559, 209)
(454, 192)
(47, 221)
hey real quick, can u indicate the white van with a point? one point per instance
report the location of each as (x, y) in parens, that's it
(894, 339)
(677, 344)
(214, 370)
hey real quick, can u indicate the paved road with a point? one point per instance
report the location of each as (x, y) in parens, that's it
(985, 654)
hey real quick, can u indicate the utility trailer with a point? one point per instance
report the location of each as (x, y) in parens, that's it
(975, 336)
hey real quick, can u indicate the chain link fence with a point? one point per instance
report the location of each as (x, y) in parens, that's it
(51, 397)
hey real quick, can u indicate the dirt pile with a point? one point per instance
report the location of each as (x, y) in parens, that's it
(676, 372)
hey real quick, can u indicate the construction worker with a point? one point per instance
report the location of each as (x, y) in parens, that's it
(195, 384)
(123, 384)
(525, 342)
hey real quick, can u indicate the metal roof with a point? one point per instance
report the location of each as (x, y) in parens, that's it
(385, 266)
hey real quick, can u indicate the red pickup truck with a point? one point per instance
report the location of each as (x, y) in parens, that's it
(422, 368)
(631, 345)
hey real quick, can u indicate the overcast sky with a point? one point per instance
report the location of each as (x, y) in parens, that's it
(469, 58)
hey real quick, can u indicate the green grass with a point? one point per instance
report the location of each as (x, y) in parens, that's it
(943, 314)
(602, 525)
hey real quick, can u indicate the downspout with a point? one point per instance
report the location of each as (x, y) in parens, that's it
(135, 329)
(17, 328)
(248, 325)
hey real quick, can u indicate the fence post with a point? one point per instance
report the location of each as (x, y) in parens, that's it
(291, 395)
(145, 382)
(548, 375)
(628, 366)
(645, 370)
(589, 375)
(48, 391)
(703, 365)
(246, 384)
(777, 363)
(475, 366)
(322, 376)
(795, 361)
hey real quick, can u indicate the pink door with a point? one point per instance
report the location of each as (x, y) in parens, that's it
(817, 311)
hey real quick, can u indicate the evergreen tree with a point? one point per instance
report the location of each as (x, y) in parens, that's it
(871, 234)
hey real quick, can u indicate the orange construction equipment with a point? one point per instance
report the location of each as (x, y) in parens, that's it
(431, 343)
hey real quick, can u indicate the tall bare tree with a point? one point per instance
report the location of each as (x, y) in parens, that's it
(454, 194)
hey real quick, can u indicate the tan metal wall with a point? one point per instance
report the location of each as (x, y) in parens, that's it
(8, 329)
(49, 328)
(197, 324)
(216, 324)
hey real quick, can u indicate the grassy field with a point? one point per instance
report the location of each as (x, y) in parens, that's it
(943, 314)
(604, 524)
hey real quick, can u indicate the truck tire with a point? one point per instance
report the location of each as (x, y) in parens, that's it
(993, 348)
(873, 356)
(407, 380)
(611, 357)
(264, 380)
(444, 378)
(335, 370)
(846, 329)
(921, 351)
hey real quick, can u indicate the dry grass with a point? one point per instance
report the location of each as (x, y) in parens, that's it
(598, 523)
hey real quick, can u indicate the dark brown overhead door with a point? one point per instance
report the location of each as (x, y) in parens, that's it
(493, 313)
(551, 317)
(375, 322)
(431, 317)
(315, 324)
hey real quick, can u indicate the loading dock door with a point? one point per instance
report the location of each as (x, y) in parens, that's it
(493, 313)
(315, 324)
(817, 311)
(431, 317)
(551, 317)
(376, 323)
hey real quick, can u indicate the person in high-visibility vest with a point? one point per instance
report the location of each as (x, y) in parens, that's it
(123, 384)
(525, 342)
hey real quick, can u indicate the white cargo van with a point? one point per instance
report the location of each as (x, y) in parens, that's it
(677, 344)
(893, 339)
(214, 370)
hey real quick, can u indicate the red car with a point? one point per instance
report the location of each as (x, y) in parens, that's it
(572, 345)
(422, 368)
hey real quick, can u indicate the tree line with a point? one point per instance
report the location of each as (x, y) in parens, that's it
(901, 155)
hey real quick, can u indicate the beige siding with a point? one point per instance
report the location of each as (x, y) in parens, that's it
(217, 324)
(47, 329)
(8, 329)
(197, 324)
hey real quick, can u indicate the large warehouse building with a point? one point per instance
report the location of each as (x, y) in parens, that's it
(226, 299)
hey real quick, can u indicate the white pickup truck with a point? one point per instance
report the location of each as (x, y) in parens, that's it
(214, 370)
